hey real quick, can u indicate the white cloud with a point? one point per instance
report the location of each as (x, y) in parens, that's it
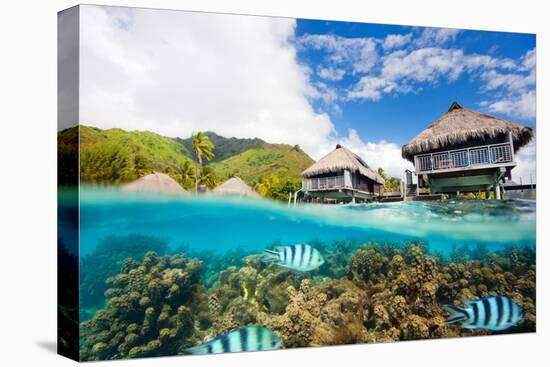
(521, 106)
(526, 169)
(515, 89)
(371, 88)
(529, 60)
(431, 37)
(383, 154)
(360, 54)
(330, 73)
(510, 81)
(393, 41)
(409, 65)
(403, 71)
(423, 65)
(174, 73)
(322, 91)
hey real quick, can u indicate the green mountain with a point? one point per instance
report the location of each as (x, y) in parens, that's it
(116, 156)
(226, 147)
(279, 160)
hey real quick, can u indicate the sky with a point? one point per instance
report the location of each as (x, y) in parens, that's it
(316, 83)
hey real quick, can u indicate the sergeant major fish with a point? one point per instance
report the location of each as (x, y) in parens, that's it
(296, 257)
(243, 339)
(493, 313)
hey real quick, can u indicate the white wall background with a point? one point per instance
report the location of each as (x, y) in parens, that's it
(28, 127)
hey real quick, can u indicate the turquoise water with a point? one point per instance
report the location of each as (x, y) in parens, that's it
(226, 285)
(218, 224)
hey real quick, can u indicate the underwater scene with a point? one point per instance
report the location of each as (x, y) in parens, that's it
(163, 275)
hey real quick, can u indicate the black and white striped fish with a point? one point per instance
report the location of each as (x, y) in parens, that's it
(296, 257)
(243, 339)
(493, 313)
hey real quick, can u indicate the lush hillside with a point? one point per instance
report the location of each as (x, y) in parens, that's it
(116, 156)
(226, 147)
(159, 149)
(279, 160)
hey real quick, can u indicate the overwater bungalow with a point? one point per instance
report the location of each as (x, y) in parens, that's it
(341, 177)
(466, 151)
(235, 186)
(155, 182)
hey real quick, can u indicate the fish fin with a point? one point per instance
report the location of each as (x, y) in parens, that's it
(197, 349)
(270, 255)
(457, 314)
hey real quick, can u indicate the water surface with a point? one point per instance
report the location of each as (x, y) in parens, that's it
(219, 224)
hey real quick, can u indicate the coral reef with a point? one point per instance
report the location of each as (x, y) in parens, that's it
(240, 294)
(326, 314)
(105, 261)
(372, 293)
(155, 307)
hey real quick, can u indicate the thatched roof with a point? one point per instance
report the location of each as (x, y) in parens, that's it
(155, 183)
(459, 125)
(235, 186)
(340, 159)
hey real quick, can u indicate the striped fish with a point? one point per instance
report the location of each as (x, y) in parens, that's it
(296, 257)
(493, 313)
(243, 339)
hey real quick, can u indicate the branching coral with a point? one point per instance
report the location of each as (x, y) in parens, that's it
(154, 308)
(105, 261)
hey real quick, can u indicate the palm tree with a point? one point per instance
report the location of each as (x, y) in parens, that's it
(186, 174)
(208, 177)
(203, 148)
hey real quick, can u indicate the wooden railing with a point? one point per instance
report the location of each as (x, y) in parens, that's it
(323, 183)
(464, 158)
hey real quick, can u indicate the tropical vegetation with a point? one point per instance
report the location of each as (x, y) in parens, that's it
(392, 184)
(203, 148)
(116, 156)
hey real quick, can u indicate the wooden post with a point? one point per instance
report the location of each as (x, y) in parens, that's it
(497, 191)
(511, 139)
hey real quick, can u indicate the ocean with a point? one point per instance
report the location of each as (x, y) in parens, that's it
(219, 224)
(160, 275)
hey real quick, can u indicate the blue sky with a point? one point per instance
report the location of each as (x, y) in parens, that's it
(399, 116)
(369, 87)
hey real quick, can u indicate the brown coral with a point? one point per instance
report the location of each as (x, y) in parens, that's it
(148, 312)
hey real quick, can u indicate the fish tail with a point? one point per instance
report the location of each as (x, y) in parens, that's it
(270, 255)
(197, 350)
(457, 314)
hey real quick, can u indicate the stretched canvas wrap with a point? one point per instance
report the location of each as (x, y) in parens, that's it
(232, 183)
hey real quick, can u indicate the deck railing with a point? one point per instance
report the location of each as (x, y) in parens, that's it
(464, 158)
(323, 183)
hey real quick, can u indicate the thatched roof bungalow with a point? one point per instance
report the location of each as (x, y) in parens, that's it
(341, 176)
(460, 126)
(155, 182)
(235, 186)
(465, 151)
